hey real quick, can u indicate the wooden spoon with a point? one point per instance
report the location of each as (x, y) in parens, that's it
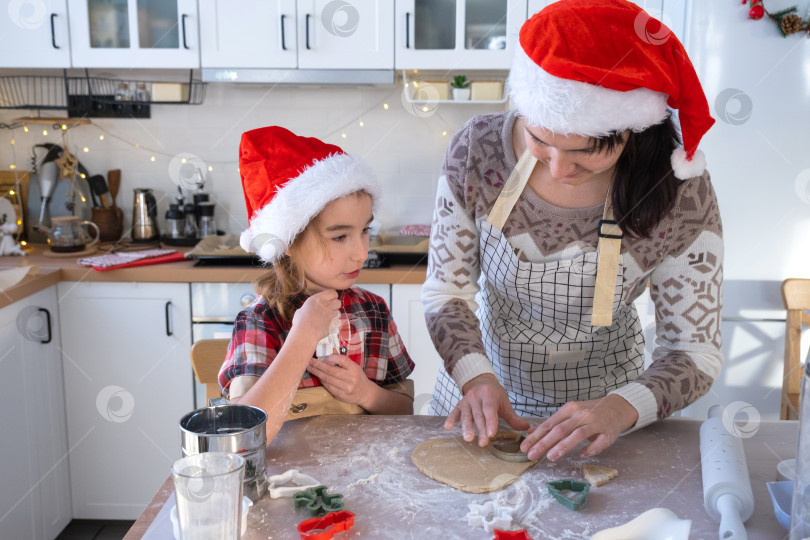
(114, 183)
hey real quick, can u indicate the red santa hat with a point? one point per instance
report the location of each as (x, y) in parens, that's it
(287, 181)
(592, 67)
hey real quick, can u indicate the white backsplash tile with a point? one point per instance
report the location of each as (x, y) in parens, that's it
(404, 149)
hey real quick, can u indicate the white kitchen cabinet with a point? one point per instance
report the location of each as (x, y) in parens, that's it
(456, 34)
(35, 499)
(128, 381)
(409, 315)
(134, 33)
(248, 34)
(304, 34)
(35, 35)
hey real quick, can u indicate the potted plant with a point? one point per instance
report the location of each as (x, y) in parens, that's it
(461, 88)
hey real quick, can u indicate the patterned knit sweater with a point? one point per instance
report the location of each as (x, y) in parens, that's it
(681, 260)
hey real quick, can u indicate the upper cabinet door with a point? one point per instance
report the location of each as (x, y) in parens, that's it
(339, 34)
(456, 34)
(134, 33)
(35, 35)
(248, 34)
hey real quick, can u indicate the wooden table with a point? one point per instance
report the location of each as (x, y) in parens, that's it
(367, 459)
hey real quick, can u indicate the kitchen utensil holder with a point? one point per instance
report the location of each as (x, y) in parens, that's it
(110, 222)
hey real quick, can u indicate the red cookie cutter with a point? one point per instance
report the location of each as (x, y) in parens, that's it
(324, 528)
(512, 535)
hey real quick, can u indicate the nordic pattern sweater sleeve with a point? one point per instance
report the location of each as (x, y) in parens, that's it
(681, 261)
(686, 288)
(452, 276)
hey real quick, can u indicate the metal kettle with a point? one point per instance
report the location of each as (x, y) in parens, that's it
(144, 215)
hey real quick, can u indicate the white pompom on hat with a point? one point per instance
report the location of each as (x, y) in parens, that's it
(287, 180)
(591, 67)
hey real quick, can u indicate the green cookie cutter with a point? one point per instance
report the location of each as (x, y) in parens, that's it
(579, 491)
(317, 501)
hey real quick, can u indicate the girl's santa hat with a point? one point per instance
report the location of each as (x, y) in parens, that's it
(287, 181)
(592, 67)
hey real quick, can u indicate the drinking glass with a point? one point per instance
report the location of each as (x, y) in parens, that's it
(208, 488)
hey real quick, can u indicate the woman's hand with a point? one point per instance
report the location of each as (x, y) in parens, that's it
(342, 378)
(484, 401)
(316, 314)
(600, 421)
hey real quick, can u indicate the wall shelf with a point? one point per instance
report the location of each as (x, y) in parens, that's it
(414, 86)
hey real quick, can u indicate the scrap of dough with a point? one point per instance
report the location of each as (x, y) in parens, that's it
(597, 475)
(465, 465)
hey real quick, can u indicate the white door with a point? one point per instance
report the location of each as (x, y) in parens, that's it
(134, 33)
(128, 381)
(35, 35)
(248, 34)
(38, 324)
(409, 316)
(19, 498)
(339, 34)
(456, 34)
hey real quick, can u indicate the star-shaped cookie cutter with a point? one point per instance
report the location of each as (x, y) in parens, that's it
(276, 484)
(501, 516)
(317, 501)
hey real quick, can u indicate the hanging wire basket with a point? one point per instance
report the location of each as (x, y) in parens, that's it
(107, 89)
(39, 91)
(45, 92)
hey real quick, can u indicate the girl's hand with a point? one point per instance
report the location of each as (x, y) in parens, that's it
(600, 421)
(484, 401)
(316, 314)
(342, 378)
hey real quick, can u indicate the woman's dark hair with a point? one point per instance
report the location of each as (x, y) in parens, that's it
(644, 187)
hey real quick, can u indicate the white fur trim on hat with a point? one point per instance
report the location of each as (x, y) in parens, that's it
(274, 227)
(685, 169)
(571, 107)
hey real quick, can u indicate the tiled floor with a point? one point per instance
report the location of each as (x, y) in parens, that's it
(93, 529)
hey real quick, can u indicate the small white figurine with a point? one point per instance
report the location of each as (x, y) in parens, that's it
(8, 226)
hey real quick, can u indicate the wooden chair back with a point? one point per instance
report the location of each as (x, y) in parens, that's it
(796, 297)
(207, 356)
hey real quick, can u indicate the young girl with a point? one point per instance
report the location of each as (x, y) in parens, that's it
(310, 206)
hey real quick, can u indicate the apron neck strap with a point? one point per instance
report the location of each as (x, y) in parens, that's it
(607, 267)
(512, 190)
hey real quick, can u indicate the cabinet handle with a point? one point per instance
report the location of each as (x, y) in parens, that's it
(306, 25)
(183, 31)
(407, 30)
(53, 33)
(48, 319)
(283, 45)
(169, 331)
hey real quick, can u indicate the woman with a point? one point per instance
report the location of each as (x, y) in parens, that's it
(551, 219)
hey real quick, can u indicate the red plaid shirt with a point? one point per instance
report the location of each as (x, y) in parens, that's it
(367, 331)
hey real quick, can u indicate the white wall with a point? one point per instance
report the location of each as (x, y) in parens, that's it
(758, 151)
(404, 148)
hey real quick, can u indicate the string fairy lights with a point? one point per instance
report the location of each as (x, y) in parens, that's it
(363, 120)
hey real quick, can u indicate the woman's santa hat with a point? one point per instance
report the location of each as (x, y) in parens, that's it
(592, 67)
(287, 181)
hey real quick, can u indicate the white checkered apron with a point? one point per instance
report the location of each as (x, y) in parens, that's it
(535, 322)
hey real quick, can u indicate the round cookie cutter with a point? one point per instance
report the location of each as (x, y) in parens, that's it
(505, 445)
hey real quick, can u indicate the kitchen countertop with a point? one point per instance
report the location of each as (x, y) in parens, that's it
(367, 459)
(53, 270)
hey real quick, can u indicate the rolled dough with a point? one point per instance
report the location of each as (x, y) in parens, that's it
(465, 465)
